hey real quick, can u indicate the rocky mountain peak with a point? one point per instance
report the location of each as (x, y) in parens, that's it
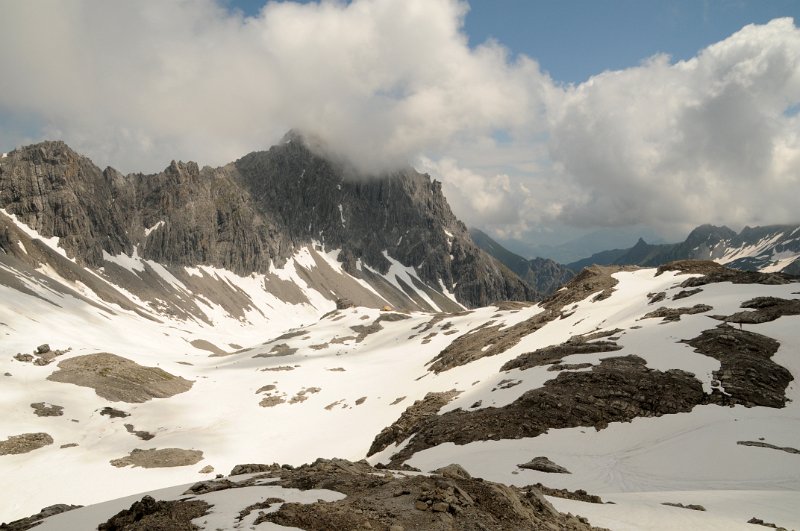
(252, 214)
(709, 234)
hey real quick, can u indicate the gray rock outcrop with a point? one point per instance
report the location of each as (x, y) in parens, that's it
(249, 215)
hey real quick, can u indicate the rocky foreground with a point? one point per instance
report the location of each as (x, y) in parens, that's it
(378, 499)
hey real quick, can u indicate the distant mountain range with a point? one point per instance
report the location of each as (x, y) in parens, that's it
(543, 274)
(772, 248)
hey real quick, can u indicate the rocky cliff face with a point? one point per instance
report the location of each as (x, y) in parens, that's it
(252, 214)
(543, 274)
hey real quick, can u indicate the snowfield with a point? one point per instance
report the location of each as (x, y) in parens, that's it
(290, 382)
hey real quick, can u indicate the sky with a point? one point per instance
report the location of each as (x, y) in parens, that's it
(543, 119)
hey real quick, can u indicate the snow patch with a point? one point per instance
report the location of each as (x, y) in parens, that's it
(157, 226)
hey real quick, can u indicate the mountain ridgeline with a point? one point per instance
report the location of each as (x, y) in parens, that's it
(249, 216)
(545, 275)
(770, 248)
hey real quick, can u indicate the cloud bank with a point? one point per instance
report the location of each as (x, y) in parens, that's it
(134, 85)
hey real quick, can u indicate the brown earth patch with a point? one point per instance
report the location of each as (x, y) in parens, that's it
(119, 379)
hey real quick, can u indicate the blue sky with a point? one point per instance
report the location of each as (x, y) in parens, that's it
(575, 39)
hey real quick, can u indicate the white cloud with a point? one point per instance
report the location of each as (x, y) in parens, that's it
(666, 144)
(705, 140)
(139, 83)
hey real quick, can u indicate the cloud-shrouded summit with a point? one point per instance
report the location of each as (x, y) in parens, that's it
(715, 138)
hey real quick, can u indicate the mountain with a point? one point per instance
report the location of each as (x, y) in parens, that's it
(769, 249)
(566, 244)
(394, 238)
(282, 342)
(543, 274)
(652, 389)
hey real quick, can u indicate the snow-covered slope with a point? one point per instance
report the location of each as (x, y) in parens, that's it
(770, 249)
(290, 381)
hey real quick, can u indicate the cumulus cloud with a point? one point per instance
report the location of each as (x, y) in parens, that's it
(139, 83)
(383, 82)
(704, 140)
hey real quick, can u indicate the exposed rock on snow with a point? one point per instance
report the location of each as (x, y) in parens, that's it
(759, 521)
(591, 280)
(144, 435)
(656, 297)
(24, 443)
(543, 464)
(452, 500)
(43, 409)
(760, 444)
(713, 272)
(159, 458)
(765, 309)
(691, 506)
(684, 293)
(410, 419)
(114, 413)
(554, 354)
(149, 514)
(674, 314)
(578, 495)
(747, 373)
(278, 350)
(271, 401)
(487, 340)
(618, 389)
(119, 379)
(32, 521)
